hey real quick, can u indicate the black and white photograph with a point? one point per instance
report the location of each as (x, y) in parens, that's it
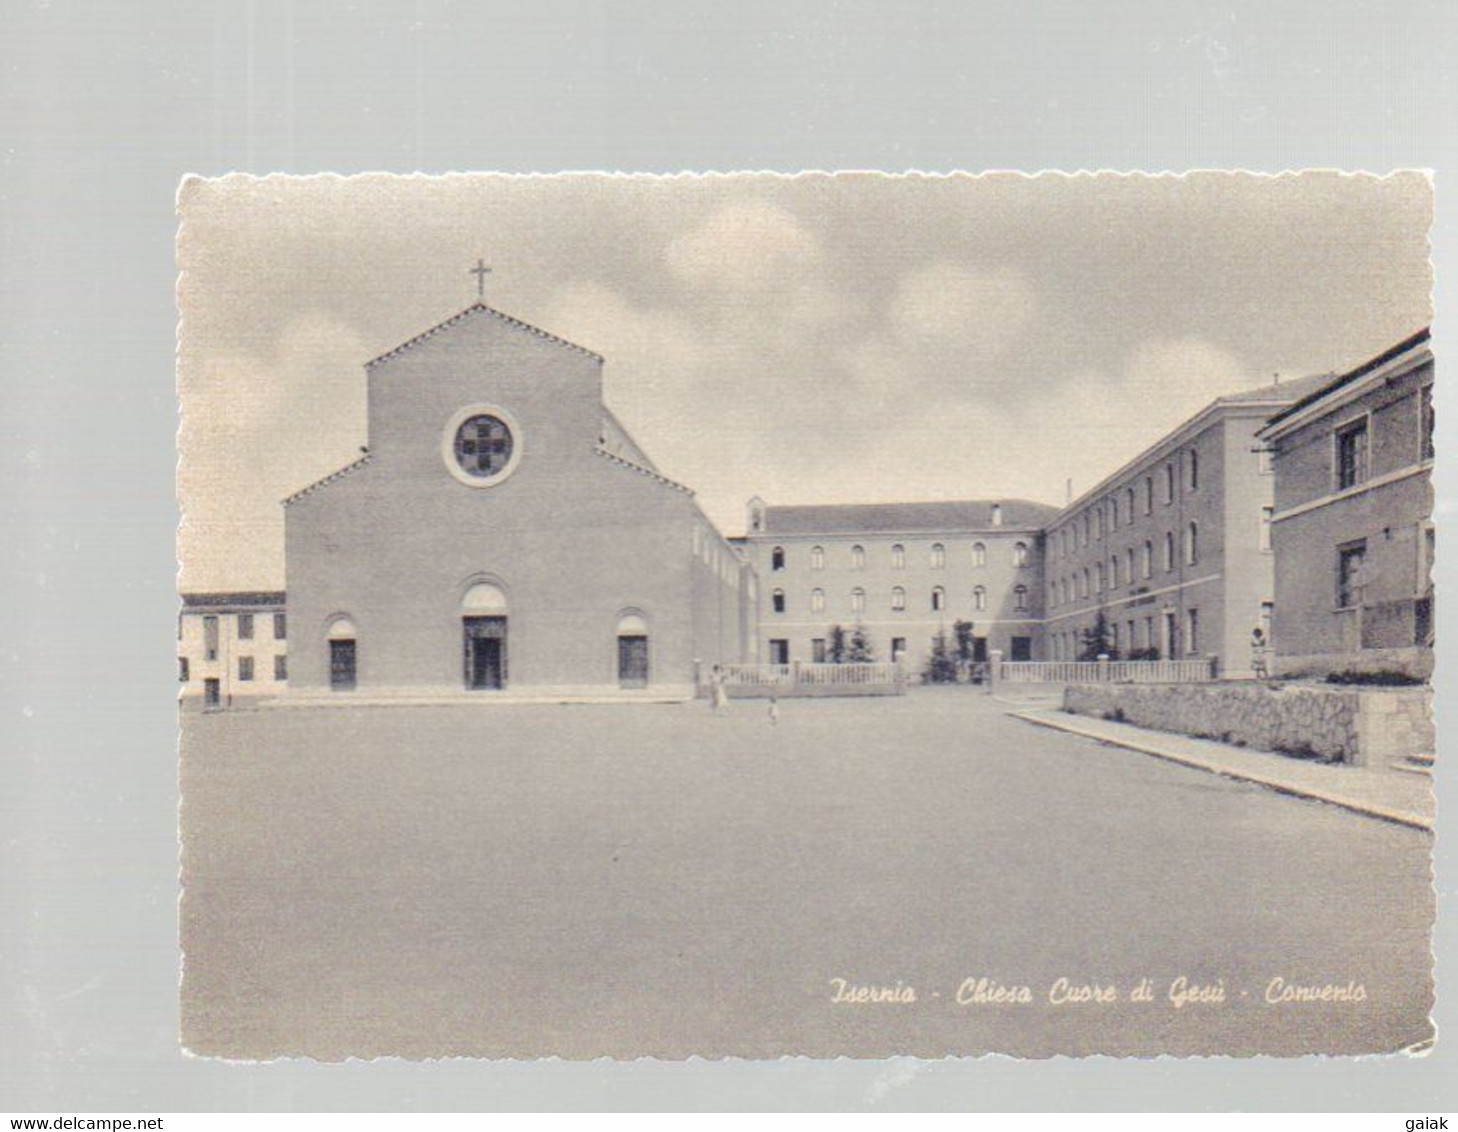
(821, 614)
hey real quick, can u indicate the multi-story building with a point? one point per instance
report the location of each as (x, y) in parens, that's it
(231, 647)
(901, 572)
(1173, 548)
(1353, 529)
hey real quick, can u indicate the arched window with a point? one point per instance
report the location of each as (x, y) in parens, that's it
(979, 598)
(1020, 554)
(938, 598)
(938, 556)
(1169, 483)
(632, 651)
(1087, 577)
(1149, 495)
(343, 654)
(1114, 571)
(1099, 523)
(858, 600)
(1192, 544)
(1148, 559)
(1169, 550)
(997, 514)
(898, 598)
(817, 601)
(1129, 504)
(777, 601)
(898, 557)
(1087, 528)
(1020, 597)
(979, 554)
(858, 558)
(1098, 577)
(1192, 470)
(777, 558)
(817, 558)
(1129, 566)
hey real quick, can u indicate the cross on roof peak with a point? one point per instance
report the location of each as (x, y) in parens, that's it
(480, 271)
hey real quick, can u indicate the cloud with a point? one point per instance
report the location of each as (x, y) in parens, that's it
(751, 246)
(984, 310)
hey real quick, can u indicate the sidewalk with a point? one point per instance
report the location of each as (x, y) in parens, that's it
(1387, 794)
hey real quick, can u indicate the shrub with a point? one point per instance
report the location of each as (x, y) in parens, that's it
(1383, 677)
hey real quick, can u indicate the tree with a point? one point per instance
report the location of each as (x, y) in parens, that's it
(836, 651)
(941, 664)
(963, 633)
(859, 650)
(1098, 640)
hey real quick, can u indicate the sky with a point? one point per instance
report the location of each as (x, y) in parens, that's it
(811, 339)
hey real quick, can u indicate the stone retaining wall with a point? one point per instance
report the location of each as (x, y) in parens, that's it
(1361, 726)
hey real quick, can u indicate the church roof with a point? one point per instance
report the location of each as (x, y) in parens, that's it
(613, 457)
(1282, 392)
(482, 308)
(330, 478)
(884, 518)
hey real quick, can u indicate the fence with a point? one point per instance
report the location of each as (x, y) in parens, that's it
(743, 680)
(1193, 671)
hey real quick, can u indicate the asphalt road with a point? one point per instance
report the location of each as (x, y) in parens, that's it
(650, 880)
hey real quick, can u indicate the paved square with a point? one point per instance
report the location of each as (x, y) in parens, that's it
(625, 880)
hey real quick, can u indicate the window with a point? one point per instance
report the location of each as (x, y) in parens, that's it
(1087, 527)
(1429, 422)
(1192, 631)
(210, 636)
(779, 651)
(1350, 560)
(979, 554)
(1130, 637)
(979, 598)
(1020, 598)
(898, 648)
(483, 446)
(280, 626)
(1169, 550)
(1020, 554)
(1169, 483)
(1149, 495)
(1083, 589)
(245, 668)
(938, 556)
(938, 599)
(245, 626)
(1098, 577)
(817, 650)
(182, 675)
(777, 601)
(997, 514)
(280, 668)
(1099, 523)
(1022, 648)
(858, 558)
(1114, 571)
(1114, 636)
(817, 558)
(1148, 570)
(858, 600)
(817, 601)
(777, 558)
(1268, 515)
(898, 598)
(1351, 455)
(1192, 470)
(898, 557)
(1129, 505)
(1129, 566)
(1192, 544)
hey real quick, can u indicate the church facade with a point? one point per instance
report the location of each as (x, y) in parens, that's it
(504, 531)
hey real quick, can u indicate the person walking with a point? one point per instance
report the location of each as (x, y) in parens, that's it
(774, 711)
(717, 692)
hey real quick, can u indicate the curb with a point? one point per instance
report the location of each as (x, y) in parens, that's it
(1397, 817)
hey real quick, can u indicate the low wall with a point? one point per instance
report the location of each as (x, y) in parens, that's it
(1361, 726)
(1413, 661)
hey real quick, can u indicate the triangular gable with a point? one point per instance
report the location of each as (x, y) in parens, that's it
(482, 308)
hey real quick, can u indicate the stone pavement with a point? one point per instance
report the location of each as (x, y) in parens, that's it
(1391, 795)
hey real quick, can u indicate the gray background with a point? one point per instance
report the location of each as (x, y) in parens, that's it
(105, 106)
